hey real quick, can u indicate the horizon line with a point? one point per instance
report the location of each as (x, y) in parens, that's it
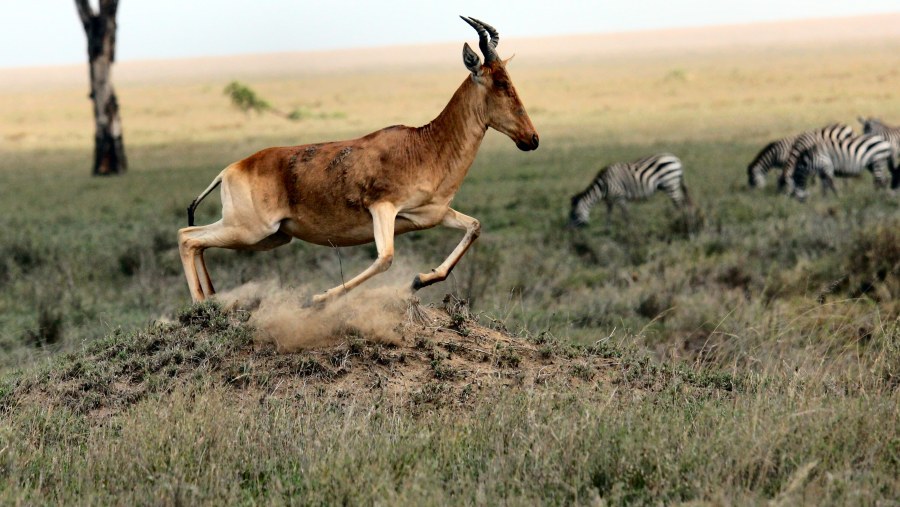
(445, 42)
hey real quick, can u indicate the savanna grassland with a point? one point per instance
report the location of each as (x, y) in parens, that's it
(753, 360)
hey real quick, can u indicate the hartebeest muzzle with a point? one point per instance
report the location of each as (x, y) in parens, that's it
(529, 144)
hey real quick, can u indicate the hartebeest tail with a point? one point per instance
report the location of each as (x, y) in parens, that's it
(396, 180)
(196, 202)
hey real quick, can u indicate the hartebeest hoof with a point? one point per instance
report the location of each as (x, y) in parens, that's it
(320, 300)
(311, 303)
(424, 280)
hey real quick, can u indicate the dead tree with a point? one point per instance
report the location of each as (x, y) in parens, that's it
(100, 28)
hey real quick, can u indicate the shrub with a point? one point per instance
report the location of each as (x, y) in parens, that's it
(873, 262)
(49, 328)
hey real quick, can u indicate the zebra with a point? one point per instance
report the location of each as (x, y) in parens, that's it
(629, 181)
(846, 158)
(772, 155)
(787, 151)
(892, 135)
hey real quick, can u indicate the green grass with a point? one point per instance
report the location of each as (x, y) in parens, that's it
(756, 360)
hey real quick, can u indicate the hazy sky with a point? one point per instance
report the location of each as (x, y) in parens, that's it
(48, 32)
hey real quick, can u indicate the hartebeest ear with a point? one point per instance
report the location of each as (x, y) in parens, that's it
(472, 61)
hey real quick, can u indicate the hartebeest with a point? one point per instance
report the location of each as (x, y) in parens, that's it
(392, 181)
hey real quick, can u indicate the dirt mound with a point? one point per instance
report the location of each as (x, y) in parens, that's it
(433, 356)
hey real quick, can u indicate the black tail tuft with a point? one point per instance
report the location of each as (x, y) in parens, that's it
(190, 211)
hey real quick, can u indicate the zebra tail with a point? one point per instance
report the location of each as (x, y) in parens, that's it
(687, 197)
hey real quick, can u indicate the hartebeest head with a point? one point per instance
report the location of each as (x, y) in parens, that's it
(504, 111)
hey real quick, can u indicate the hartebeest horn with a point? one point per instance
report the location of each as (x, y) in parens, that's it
(488, 38)
(495, 35)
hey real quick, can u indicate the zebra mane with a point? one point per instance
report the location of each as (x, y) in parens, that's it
(765, 159)
(593, 193)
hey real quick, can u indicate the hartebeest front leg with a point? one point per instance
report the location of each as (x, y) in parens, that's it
(455, 220)
(383, 217)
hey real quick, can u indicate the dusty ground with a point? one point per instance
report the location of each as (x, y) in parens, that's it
(431, 356)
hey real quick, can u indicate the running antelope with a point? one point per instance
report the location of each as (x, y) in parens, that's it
(396, 180)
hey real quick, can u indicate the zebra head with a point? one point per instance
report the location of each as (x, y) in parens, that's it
(800, 194)
(769, 156)
(870, 125)
(584, 201)
(756, 177)
(580, 213)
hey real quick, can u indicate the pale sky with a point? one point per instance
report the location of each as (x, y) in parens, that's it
(48, 32)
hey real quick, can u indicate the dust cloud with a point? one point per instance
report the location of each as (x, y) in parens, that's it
(280, 316)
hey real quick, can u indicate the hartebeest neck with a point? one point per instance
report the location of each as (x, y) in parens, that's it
(453, 138)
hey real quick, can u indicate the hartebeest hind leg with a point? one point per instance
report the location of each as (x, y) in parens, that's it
(455, 220)
(192, 241)
(383, 217)
(205, 281)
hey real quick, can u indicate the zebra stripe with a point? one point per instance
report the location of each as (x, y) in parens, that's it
(889, 133)
(846, 158)
(892, 135)
(834, 133)
(778, 153)
(631, 181)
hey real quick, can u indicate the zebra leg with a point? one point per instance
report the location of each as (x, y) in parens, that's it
(883, 172)
(828, 183)
(895, 174)
(609, 211)
(624, 208)
(678, 194)
(798, 189)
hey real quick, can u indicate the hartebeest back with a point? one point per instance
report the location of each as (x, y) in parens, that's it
(392, 181)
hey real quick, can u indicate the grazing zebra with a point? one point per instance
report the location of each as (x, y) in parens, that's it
(833, 133)
(846, 158)
(778, 152)
(772, 155)
(629, 181)
(892, 135)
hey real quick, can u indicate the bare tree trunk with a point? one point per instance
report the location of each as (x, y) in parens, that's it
(100, 28)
